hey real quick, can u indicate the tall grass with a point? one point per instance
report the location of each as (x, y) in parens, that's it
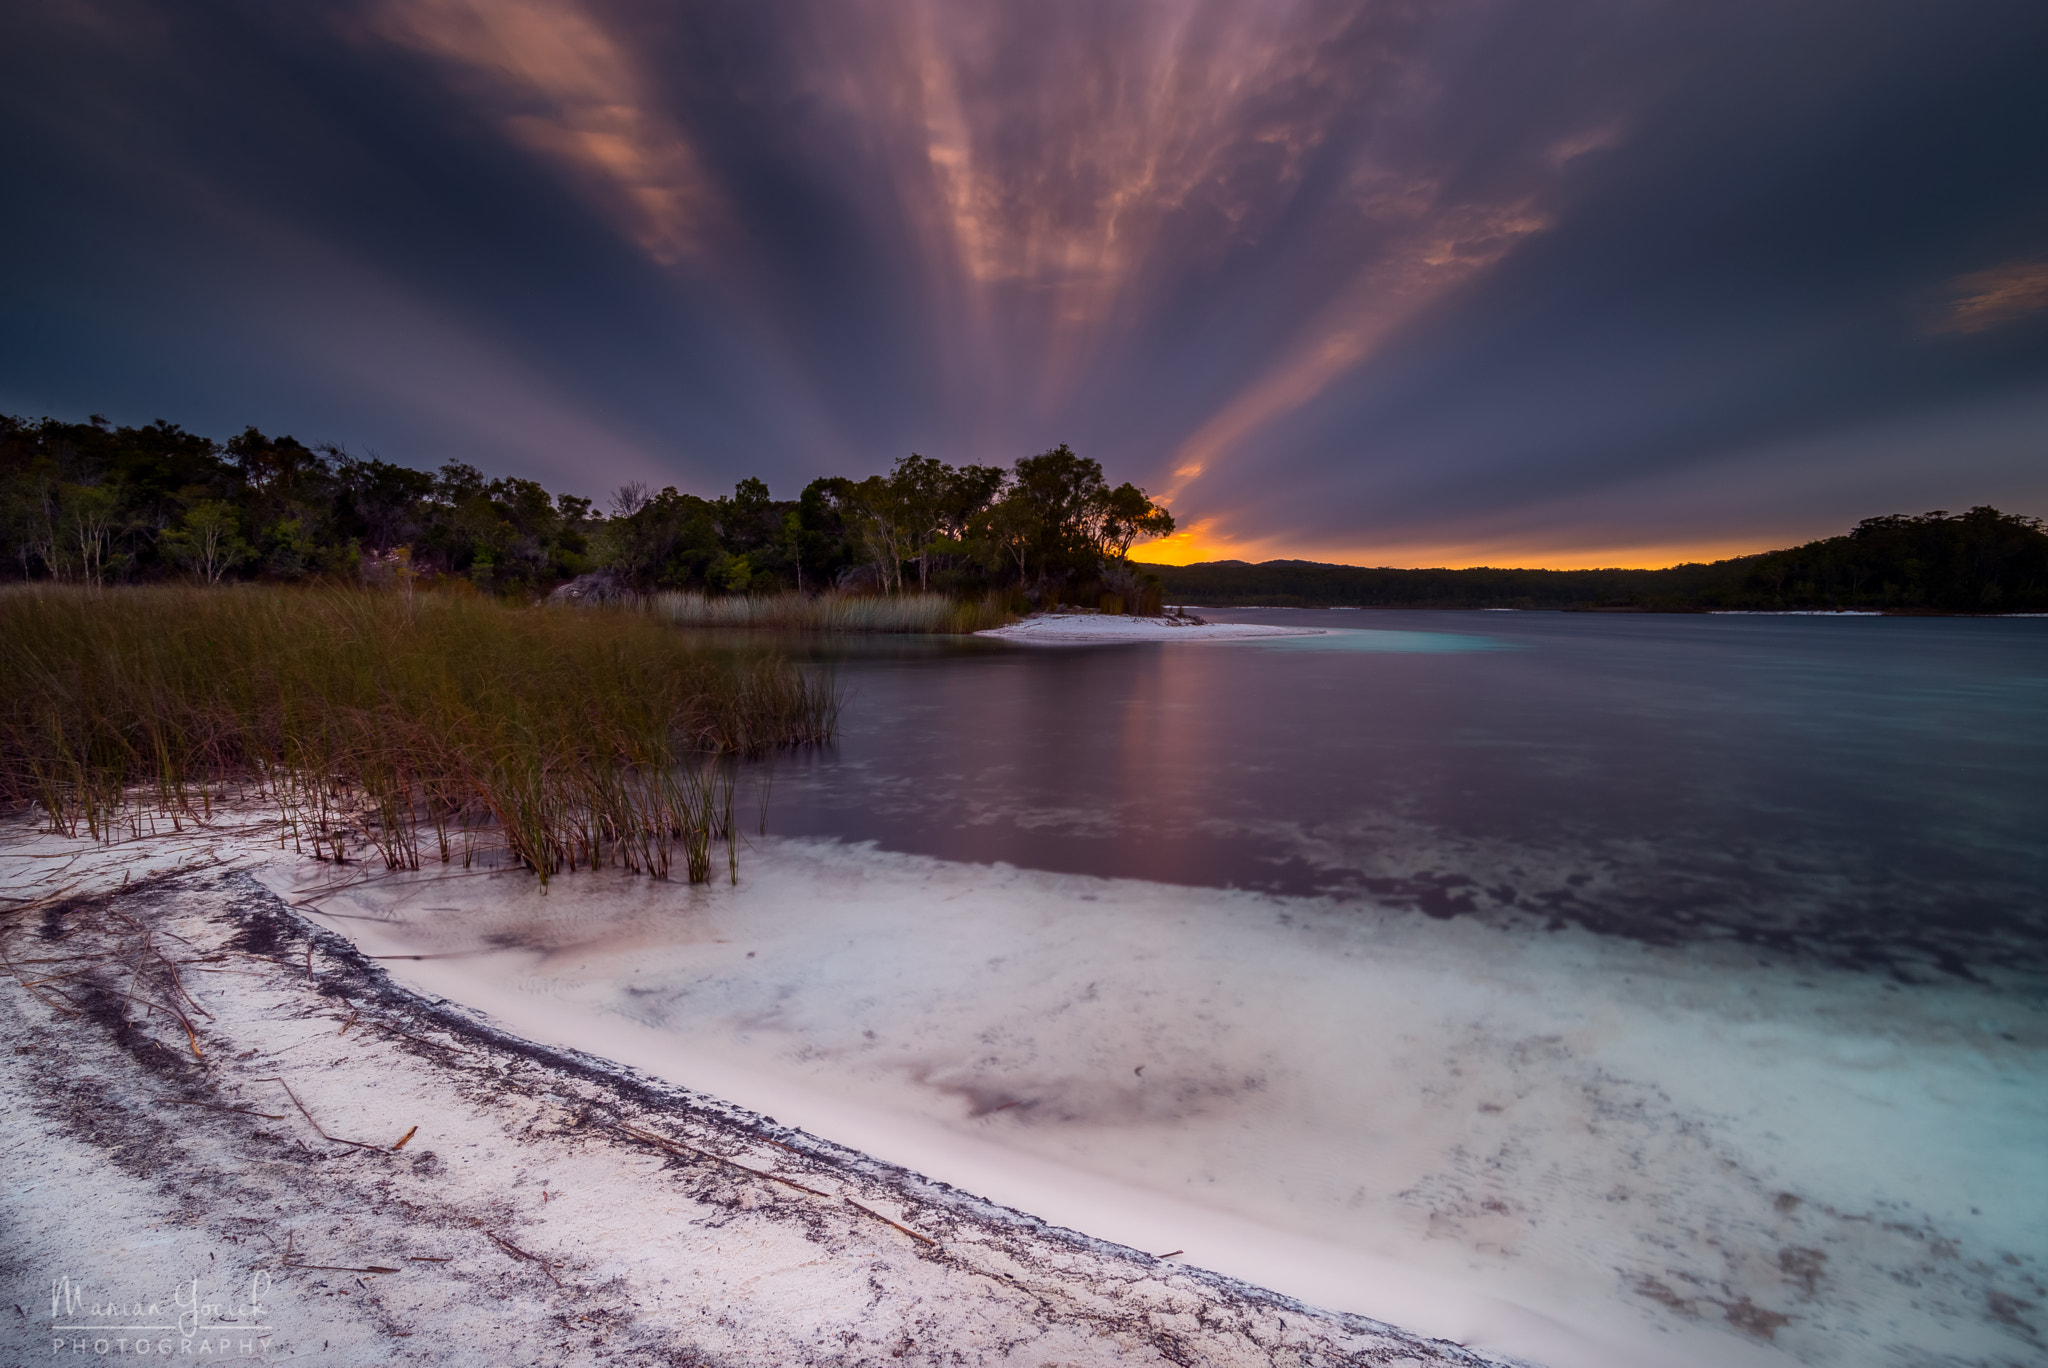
(578, 739)
(936, 613)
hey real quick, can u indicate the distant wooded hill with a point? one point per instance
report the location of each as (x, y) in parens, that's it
(1982, 561)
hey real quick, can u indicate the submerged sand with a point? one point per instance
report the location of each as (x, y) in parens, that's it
(1076, 629)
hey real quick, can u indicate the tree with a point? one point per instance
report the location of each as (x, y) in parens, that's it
(746, 520)
(827, 514)
(668, 541)
(1062, 493)
(377, 502)
(884, 538)
(28, 510)
(91, 513)
(1122, 516)
(1061, 518)
(1014, 531)
(209, 542)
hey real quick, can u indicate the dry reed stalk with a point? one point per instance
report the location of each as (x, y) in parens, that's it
(834, 612)
(577, 739)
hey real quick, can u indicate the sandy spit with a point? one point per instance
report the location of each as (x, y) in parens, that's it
(1072, 629)
(329, 1168)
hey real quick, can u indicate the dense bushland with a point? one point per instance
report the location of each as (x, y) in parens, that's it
(411, 721)
(1982, 561)
(94, 504)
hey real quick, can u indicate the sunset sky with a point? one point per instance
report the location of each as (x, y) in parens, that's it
(1564, 283)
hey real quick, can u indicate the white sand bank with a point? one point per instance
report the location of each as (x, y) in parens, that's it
(331, 1169)
(1569, 1150)
(1070, 629)
(1575, 1150)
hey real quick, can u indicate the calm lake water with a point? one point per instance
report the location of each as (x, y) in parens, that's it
(1642, 990)
(1870, 790)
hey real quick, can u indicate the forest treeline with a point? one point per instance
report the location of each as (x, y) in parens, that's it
(1982, 561)
(93, 503)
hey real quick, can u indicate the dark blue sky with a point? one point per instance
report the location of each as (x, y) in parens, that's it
(1571, 282)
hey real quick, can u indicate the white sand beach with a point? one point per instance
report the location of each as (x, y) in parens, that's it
(1554, 1148)
(333, 1168)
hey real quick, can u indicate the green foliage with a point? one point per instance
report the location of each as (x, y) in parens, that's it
(95, 504)
(574, 738)
(90, 503)
(208, 541)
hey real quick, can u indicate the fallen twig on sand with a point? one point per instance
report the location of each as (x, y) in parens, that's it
(915, 1235)
(517, 1252)
(677, 1146)
(336, 1139)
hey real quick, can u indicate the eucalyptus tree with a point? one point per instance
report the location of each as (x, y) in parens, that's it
(1061, 518)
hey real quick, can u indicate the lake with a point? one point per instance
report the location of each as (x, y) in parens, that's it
(1869, 790)
(1600, 989)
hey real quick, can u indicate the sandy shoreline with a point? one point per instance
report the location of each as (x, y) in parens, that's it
(1544, 1147)
(333, 1168)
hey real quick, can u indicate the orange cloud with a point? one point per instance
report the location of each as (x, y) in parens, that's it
(1985, 299)
(569, 91)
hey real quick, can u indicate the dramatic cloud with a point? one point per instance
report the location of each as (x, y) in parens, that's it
(560, 85)
(1369, 280)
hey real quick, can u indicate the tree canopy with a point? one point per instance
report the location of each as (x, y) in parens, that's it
(95, 503)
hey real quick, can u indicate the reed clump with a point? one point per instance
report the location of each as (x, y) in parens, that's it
(834, 612)
(576, 739)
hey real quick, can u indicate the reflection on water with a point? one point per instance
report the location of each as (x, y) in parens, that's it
(1867, 789)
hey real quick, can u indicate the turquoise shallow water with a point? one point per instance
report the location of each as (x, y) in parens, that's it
(1379, 639)
(1865, 790)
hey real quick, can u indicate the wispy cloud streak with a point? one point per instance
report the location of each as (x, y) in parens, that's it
(1073, 170)
(1432, 250)
(2003, 294)
(559, 83)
